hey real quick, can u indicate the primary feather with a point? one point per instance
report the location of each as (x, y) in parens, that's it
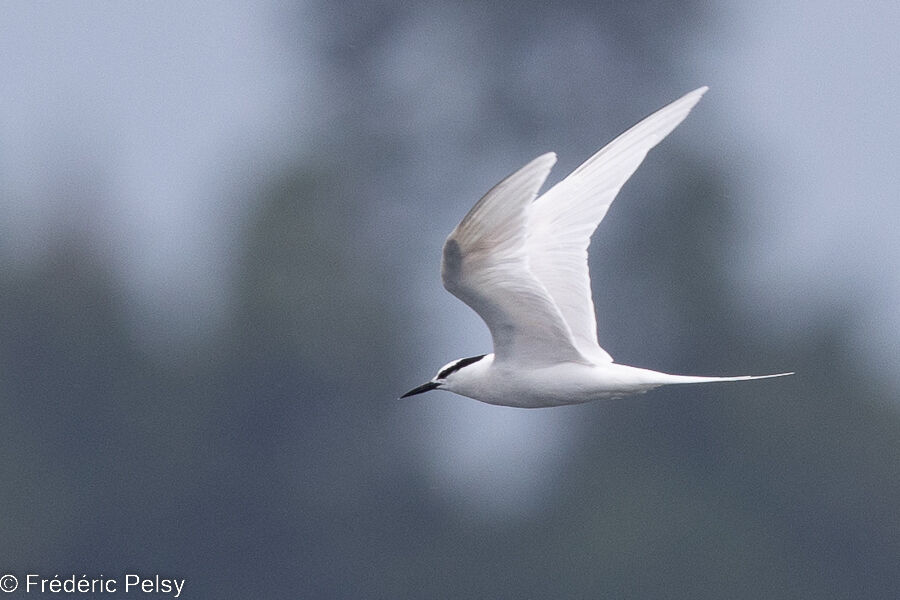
(562, 220)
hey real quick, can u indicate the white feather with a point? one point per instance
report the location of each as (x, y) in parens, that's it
(485, 264)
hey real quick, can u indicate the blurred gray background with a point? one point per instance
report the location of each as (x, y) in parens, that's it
(220, 231)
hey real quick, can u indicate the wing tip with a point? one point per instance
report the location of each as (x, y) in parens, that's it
(548, 158)
(692, 97)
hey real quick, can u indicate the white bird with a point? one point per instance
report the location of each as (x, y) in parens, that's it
(520, 262)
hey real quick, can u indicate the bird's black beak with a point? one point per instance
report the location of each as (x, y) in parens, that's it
(427, 387)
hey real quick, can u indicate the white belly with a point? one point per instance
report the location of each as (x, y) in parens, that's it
(564, 383)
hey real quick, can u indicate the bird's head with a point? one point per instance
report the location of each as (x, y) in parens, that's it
(446, 378)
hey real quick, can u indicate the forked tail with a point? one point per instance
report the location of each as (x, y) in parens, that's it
(698, 379)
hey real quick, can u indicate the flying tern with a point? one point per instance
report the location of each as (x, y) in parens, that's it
(520, 262)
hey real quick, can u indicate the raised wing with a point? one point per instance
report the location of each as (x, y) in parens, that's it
(486, 266)
(562, 220)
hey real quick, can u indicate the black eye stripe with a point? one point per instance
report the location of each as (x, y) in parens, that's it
(459, 365)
